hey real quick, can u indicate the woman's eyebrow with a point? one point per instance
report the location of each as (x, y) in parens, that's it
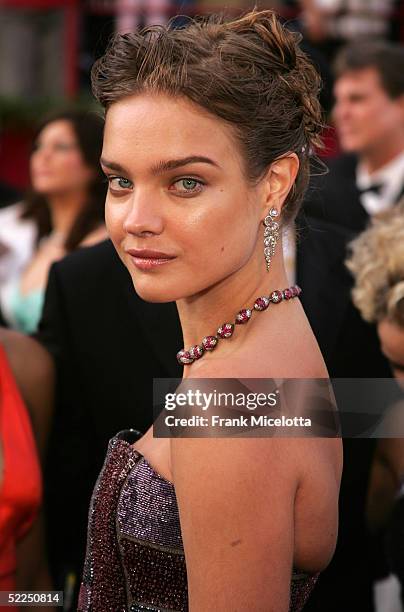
(112, 165)
(172, 164)
(164, 165)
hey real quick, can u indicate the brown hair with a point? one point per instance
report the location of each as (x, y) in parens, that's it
(88, 128)
(386, 58)
(249, 71)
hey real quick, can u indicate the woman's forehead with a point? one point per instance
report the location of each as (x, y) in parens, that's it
(154, 128)
(57, 128)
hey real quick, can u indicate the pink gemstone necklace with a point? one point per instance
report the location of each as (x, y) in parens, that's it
(186, 357)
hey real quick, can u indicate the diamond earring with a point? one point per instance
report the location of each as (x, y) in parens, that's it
(271, 235)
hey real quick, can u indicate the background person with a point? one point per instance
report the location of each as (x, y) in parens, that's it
(329, 24)
(367, 178)
(63, 211)
(376, 261)
(25, 411)
(133, 13)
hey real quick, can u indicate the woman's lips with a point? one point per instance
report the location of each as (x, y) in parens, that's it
(147, 260)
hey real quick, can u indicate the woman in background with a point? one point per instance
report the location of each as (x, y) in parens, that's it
(377, 264)
(26, 395)
(63, 211)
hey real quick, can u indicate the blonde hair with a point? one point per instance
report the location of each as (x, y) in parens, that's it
(376, 261)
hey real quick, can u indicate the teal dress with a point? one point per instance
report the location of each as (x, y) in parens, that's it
(26, 309)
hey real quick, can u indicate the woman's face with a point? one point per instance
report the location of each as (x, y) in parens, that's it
(57, 164)
(179, 209)
(392, 343)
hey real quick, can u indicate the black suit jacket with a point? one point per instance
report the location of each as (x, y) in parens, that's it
(108, 345)
(8, 195)
(331, 217)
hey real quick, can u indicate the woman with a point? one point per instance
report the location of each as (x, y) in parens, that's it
(377, 263)
(331, 23)
(131, 12)
(25, 410)
(208, 130)
(63, 211)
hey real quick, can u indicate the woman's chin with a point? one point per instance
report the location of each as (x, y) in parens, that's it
(151, 292)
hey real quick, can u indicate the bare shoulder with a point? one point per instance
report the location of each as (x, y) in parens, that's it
(311, 466)
(245, 503)
(33, 371)
(236, 511)
(216, 464)
(290, 351)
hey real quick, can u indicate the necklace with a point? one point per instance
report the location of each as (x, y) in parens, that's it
(186, 357)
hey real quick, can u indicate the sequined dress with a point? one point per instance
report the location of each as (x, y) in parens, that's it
(135, 556)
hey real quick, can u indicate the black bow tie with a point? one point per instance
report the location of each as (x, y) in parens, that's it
(376, 188)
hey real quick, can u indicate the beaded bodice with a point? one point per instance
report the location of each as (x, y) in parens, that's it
(135, 556)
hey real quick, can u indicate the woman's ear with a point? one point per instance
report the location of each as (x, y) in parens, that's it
(279, 180)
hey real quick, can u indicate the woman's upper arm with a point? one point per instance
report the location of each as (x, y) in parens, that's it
(236, 505)
(33, 370)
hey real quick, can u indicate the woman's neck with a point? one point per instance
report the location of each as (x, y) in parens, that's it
(64, 209)
(202, 314)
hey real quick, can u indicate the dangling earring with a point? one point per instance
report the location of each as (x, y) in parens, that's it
(271, 235)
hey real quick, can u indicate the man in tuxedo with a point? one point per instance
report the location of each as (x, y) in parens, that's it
(369, 118)
(368, 178)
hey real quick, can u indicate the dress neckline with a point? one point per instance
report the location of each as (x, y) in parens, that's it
(133, 435)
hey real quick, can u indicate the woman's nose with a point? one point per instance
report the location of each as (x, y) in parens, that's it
(43, 152)
(143, 216)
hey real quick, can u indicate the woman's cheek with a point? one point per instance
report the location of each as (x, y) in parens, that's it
(69, 162)
(112, 222)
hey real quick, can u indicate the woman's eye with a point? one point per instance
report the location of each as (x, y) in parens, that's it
(58, 146)
(188, 186)
(37, 146)
(64, 146)
(118, 183)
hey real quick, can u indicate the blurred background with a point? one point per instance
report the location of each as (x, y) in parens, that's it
(47, 48)
(63, 356)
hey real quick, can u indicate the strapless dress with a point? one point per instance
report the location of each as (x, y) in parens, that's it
(135, 555)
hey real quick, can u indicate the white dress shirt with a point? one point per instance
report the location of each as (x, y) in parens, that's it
(17, 244)
(391, 179)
